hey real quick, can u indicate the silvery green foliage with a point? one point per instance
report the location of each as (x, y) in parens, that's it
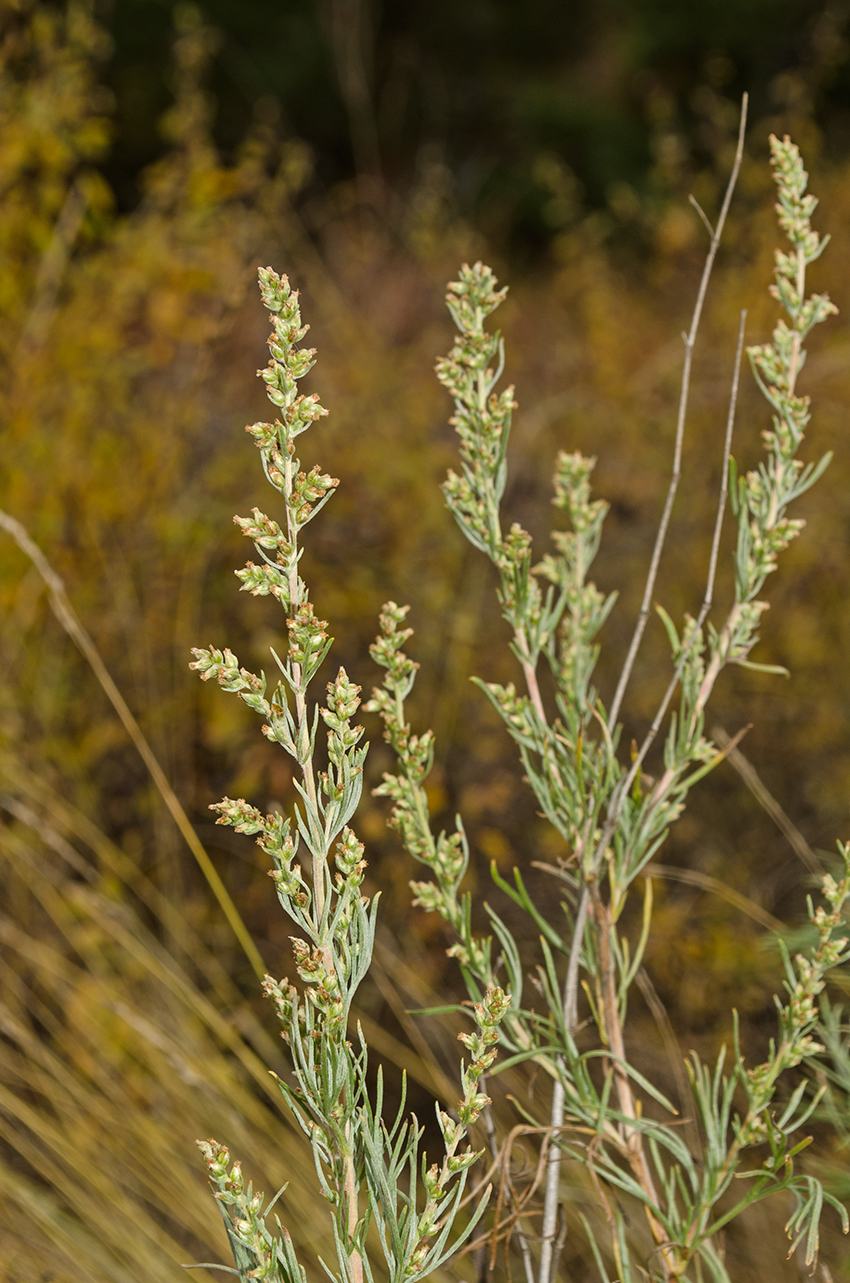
(373, 1174)
(604, 1113)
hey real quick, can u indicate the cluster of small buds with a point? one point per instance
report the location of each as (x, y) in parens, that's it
(224, 667)
(577, 653)
(391, 617)
(435, 1181)
(265, 533)
(471, 354)
(267, 579)
(804, 1046)
(473, 952)
(349, 858)
(798, 1017)
(755, 1129)
(489, 1014)
(571, 484)
(288, 362)
(281, 301)
(343, 703)
(449, 857)
(280, 726)
(481, 1044)
(761, 498)
(416, 1261)
(274, 839)
(286, 875)
(767, 541)
(264, 581)
(351, 868)
(428, 896)
(802, 1010)
(469, 510)
(742, 638)
(401, 670)
(516, 709)
(586, 607)
(802, 1006)
(405, 816)
(291, 887)
(482, 416)
(473, 296)
(419, 753)
(218, 1163)
(688, 742)
(835, 893)
(276, 468)
(384, 701)
(445, 855)
(308, 641)
(265, 435)
(334, 789)
(323, 985)
(831, 952)
(795, 208)
(557, 568)
(561, 621)
(244, 1211)
(480, 431)
(285, 998)
(519, 592)
(308, 489)
(415, 751)
(469, 1110)
(761, 1076)
(238, 813)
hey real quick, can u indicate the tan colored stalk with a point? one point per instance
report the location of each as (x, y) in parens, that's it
(684, 393)
(632, 1141)
(624, 787)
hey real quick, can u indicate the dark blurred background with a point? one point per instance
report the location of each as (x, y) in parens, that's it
(590, 98)
(151, 157)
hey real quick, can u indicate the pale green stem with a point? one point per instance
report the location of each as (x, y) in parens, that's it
(319, 858)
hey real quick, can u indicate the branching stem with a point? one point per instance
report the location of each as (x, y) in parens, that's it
(715, 664)
(684, 393)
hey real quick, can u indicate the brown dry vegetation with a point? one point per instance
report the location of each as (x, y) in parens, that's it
(128, 1024)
